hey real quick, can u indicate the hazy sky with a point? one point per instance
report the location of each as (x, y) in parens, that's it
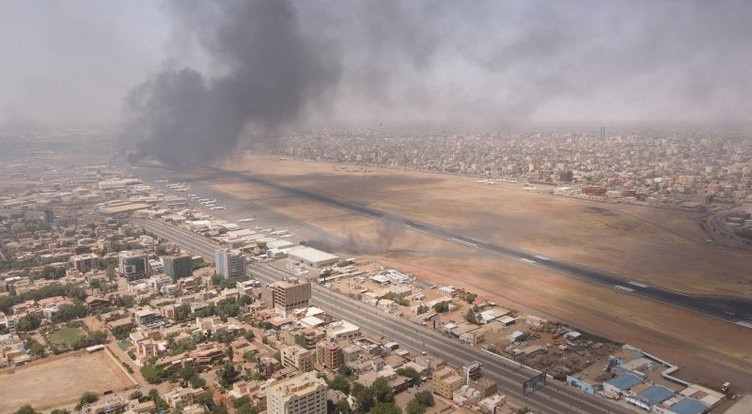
(76, 61)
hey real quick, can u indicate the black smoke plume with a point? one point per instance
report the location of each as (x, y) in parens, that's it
(269, 72)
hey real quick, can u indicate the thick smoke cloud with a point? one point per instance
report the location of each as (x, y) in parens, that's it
(268, 73)
(266, 64)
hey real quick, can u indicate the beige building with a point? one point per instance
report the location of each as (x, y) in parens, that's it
(298, 357)
(288, 296)
(304, 394)
(330, 355)
(446, 381)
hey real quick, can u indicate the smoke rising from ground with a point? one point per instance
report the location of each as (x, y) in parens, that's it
(268, 72)
(233, 65)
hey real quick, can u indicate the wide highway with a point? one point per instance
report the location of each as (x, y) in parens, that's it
(735, 310)
(550, 398)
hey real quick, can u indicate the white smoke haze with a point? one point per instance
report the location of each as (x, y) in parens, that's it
(216, 68)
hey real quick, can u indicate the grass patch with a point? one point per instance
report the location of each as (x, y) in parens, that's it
(66, 337)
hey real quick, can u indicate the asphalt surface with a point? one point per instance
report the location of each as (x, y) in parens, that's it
(735, 310)
(550, 398)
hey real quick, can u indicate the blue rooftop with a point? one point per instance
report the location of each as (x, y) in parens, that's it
(624, 381)
(655, 395)
(688, 406)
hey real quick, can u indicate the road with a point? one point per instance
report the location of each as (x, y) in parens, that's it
(551, 398)
(735, 310)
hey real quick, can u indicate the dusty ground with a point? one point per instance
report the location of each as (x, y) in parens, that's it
(59, 380)
(662, 247)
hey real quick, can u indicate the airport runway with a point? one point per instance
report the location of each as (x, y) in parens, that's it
(730, 309)
(551, 398)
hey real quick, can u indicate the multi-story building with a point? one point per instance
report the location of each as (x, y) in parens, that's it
(446, 381)
(85, 262)
(178, 266)
(229, 263)
(298, 357)
(330, 355)
(134, 265)
(304, 394)
(290, 295)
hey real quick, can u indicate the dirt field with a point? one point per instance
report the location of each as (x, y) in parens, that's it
(59, 380)
(661, 247)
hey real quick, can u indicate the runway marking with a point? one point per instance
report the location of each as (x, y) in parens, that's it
(528, 261)
(464, 242)
(640, 285)
(746, 324)
(628, 289)
(542, 257)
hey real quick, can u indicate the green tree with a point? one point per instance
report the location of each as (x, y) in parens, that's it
(441, 307)
(136, 395)
(382, 391)
(470, 297)
(340, 407)
(414, 407)
(339, 382)
(470, 316)
(425, 398)
(28, 323)
(345, 370)
(87, 398)
(35, 348)
(411, 373)
(385, 408)
(422, 309)
(152, 373)
(363, 398)
(227, 375)
(26, 409)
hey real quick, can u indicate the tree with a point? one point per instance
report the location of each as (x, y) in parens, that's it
(363, 398)
(340, 383)
(382, 391)
(182, 312)
(470, 297)
(414, 407)
(344, 370)
(87, 398)
(340, 407)
(523, 410)
(59, 411)
(136, 395)
(470, 316)
(152, 373)
(227, 375)
(28, 323)
(385, 408)
(441, 307)
(425, 398)
(411, 373)
(422, 309)
(35, 348)
(26, 409)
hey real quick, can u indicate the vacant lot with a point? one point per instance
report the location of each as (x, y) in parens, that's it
(59, 380)
(66, 336)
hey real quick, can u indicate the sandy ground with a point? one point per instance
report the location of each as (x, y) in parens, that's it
(59, 380)
(661, 247)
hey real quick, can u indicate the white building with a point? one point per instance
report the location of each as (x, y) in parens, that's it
(340, 330)
(304, 394)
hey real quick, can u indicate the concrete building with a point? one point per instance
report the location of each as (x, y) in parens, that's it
(304, 394)
(330, 355)
(342, 330)
(446, 381)
(297, 357)
(133, 265)
(229, 263)
(178, 266)
(313, 257)
(287, 296)
(85, 262)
